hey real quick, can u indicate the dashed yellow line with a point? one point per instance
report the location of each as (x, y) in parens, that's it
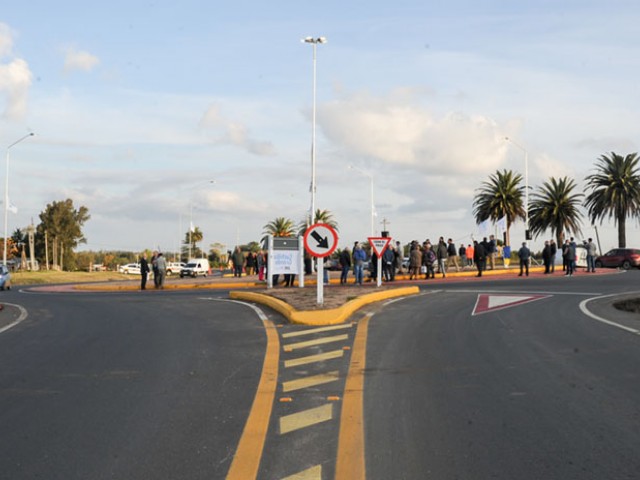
(318, 341)
(311, 381)
(306, 418)
(320, 357)
(351, 461)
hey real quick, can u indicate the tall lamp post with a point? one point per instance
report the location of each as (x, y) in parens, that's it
(373, 206)
(527, 233)
(6, 197)
(314, 41)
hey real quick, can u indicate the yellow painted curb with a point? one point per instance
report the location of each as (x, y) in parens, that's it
(171, 286)
(322, 317)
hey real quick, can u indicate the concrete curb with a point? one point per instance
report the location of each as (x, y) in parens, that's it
(322, 317)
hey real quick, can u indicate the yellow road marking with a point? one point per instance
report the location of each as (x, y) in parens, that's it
(350, 462)
(318, 341)
(306, 418)
(320, 357)
(316, 330)
(313, 473)
(246, 461)
(311, 381)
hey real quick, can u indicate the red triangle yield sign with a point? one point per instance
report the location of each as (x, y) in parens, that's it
(488, 302)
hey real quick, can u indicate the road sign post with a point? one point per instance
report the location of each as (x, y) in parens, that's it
(320, 240)
(379, 245)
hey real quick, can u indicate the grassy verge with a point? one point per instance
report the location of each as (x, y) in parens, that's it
(44, 277)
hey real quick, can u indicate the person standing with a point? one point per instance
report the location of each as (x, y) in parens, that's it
(591, 256)
(415, 261)
(345, 265)
(154, 268)
(462, 253)
(565, 257)
(399, 253)
(546, 257)
(161, 267)
(525, 255)
(452, 255)
(251, 263)
(389, 264)
(469, 253)
(429, 260)
(261, 263)
(554, 251)
(493, 249)
(238, 262)
(572, 256)
(144, 271)
(359, 257)
(441, 254)
(479, 256)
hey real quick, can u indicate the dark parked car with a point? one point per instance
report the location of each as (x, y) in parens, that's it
(624, 258)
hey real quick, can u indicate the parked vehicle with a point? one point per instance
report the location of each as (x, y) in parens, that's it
(5, 278)
(130, 268)
(174, 267)
(195, 267)
(624, 258)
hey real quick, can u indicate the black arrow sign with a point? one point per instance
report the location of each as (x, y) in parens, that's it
(322, 242)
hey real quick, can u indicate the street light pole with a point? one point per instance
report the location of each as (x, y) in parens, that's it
(526, 185)
(373, 206)
(314, 42)
(6, 197)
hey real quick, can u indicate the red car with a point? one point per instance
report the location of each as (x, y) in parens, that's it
(624, 258)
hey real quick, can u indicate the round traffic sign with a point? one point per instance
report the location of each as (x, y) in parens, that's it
(320, 240)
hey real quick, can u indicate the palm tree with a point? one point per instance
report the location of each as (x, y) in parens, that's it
(498, 197)
(321, 216)
(554, 206)
(615, 191)
(280, 227)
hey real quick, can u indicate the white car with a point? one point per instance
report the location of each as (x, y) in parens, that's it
(174, 267)
(130, 268)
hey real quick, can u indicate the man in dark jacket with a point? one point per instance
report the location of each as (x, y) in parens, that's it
(525, 255)
(479, 256)
(345, 264)
(144, 271)
(546, 256)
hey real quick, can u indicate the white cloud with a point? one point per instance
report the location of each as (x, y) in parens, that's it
(79, 60)
(398, 130)
(15, 80)
(6, 40)
(230, 132)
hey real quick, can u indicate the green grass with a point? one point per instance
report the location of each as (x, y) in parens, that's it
(51, 276)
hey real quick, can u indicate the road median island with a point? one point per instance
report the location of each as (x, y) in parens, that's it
(319, 316)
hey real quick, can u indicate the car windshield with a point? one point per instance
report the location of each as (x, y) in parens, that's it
(190, 265)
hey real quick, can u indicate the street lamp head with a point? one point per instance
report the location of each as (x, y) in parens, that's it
(314, 40)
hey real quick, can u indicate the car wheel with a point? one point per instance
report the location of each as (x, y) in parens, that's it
(598, 264)
(626, 265)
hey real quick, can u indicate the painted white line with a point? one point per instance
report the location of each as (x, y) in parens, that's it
(320, 357)
(312, 381)
(21, 317)
(520, 292)
(316, 330)
(586, 311)
(313, 473)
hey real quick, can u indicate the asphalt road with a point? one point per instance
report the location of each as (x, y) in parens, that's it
(125, 386)
(534, 391)
(136, 385)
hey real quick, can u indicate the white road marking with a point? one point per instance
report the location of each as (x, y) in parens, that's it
(21, 317)
(586, 311)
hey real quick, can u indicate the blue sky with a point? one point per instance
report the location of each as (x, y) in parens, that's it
(136, 106)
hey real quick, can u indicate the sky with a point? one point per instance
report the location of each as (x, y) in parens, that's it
(156, 114)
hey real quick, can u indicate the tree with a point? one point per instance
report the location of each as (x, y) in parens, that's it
(62, 224)
(498, 197)
(279, 227)
(192, 237)
(615, 191)
(321, 216)
(554, 206)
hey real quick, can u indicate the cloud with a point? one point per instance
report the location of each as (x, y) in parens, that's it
(79, 60)
(15, 80)
(230, 132)
(6, 40)
(398, 130)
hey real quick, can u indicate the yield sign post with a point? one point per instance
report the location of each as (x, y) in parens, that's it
(379, 245)
(320, 240)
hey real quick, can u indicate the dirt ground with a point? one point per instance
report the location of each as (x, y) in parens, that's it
(334, 296)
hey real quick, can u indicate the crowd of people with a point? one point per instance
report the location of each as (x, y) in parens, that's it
(424, 260)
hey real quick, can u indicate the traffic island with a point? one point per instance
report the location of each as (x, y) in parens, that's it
(298, 305)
